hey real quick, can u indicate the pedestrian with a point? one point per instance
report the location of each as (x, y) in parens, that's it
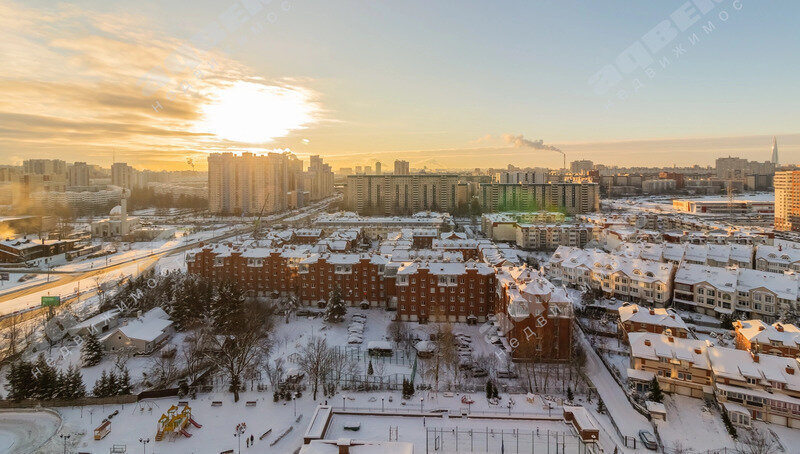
(251, 439)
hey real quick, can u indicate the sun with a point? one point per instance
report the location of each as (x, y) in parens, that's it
(256, 113)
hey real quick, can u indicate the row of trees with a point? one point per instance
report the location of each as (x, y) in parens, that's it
(39, 380)
(111, 384)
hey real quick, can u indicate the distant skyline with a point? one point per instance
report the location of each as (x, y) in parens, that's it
(153, 83)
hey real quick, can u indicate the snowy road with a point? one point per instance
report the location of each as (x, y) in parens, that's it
(629, 421)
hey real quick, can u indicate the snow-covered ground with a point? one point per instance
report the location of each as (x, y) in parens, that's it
(692, 424)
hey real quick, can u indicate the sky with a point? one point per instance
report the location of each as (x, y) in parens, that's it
(443, 84)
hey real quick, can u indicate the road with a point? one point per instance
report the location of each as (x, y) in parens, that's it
(629, 421)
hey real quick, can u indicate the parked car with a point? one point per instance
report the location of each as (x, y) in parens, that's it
(506, 374)
(478, 372)
(648, 439)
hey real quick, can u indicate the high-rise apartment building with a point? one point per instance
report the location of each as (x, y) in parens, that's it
(248, 184)
(787, 200)
(738, 169)
(320, 179)
(571, 198)
(581, 166)
(401, 194)
(530, 176)
(126, 177)
(44, 166)
(401, 167)
(78, 174)
(378, 169)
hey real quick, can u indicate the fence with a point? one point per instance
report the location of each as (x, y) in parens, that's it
(453, 440)
(31, 403)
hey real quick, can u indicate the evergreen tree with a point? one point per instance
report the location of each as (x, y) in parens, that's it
(370, 371)
(656, 395)
(62, 386)
(45, 379)
(124, 385)
(601, 407)
(570, 395)
(113, 384)
(335, 310)
(91, 351)
(488, 389)
(227, 306)
(101, 385)
(75, 386)
(20, 381)
(495, 391)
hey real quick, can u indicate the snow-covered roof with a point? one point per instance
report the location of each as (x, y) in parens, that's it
(756, 331)
(778, 254)
(765, 369)
(148, 327)
(720, 278)
(604, 263)
(445, 268)
(357, 447)
(654, 346)
(656, 316)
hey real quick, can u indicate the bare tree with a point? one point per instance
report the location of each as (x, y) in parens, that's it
(243, 343)
(275, 371)
(315, 361)
(193, 353)
(756, 441)
(342, 366)
(446, 354)
(679, 448)
(162, 372)
(399, 332)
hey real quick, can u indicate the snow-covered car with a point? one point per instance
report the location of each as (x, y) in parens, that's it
(648, 439)
(478, 372)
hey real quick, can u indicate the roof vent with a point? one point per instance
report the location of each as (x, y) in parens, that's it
(647, 342)
(697, 351)
(790, 370)
(671, 339)
(652, 312)
(761, 328)
(779, 327)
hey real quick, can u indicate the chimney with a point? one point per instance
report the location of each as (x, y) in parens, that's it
(672, 316)
(652, 312)
(790, 370)
(755, 356)
(779, 327)
(697, 351)
(647, 342)
(671, 339)
(761, 328)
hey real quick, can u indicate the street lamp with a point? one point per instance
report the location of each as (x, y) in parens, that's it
(144, 442)
(421, 401)
(294, 398)
(382, 404)
(240, 429)
(343, 406)
(64, 437)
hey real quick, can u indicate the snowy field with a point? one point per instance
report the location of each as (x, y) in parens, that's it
(693, 424)
(26, 431)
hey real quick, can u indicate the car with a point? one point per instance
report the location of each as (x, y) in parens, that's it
(506, 374)
(478, 372)
(648, 439)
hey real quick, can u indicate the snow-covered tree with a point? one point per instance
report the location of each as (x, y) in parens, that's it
(335, 310)
(91, 351)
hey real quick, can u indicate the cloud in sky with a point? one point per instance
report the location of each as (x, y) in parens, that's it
(73, 89)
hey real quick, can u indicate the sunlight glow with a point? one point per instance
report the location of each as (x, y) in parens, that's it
(256, 113)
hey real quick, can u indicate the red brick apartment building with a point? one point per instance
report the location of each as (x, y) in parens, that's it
(360, 277)
(540, 315)
(436, 292)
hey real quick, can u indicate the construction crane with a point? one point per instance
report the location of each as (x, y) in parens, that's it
(257, 222)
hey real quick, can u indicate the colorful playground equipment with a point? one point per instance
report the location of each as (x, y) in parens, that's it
(174, 421)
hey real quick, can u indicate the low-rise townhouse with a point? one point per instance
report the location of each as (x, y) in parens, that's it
(777, 259)
(781, 339)
(617, 276)
(636, 319)
(681, 366)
